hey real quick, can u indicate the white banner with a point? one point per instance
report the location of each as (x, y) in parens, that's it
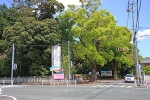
(56, 55)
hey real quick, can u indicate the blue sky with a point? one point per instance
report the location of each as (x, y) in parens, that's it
(118, 9)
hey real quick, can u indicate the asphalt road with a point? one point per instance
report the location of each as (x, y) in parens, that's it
(100, 91)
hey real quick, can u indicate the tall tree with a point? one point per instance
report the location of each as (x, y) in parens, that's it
(122, 48)
(96, 35)
(42, 8)
(20, 25)
(8, 17)
(30, 36)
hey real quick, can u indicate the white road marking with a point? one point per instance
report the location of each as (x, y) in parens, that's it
(123, 86)
(9, 97)
(129, 86)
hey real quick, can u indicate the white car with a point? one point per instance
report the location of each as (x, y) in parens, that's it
(129, 78)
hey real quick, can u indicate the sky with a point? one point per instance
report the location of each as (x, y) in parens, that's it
(118, 9)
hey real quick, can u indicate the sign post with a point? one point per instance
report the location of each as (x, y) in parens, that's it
(12, 66)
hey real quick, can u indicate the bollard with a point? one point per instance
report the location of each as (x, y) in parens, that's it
(135, 82)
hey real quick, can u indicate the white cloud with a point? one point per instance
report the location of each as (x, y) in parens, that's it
(67, 2)
(143, 34)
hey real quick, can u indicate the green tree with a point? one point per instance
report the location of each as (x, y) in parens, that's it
(97, 37)
(146, 70)
(30, 36)
(42, 9)
(20, 25)
(121, 38)
(4, 68)
(6, 19)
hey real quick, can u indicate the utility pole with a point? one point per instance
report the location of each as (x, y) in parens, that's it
(132, 10)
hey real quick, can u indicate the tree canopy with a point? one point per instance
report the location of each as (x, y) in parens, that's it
(34, 27)
(97, 37)
(146, 70)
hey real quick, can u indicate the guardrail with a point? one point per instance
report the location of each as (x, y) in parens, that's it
(59, 82)
(6, 82)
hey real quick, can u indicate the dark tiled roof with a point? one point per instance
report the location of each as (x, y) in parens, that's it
(145, 61)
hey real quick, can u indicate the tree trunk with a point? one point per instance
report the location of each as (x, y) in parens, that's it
(115, 73)
(114, 69)
(93, 76)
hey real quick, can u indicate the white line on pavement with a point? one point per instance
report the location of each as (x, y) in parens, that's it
(9, 96)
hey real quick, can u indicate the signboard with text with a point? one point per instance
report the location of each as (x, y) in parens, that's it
(106, 73)
(59, 76)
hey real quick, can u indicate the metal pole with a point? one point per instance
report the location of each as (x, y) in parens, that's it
(12, 66)
(69, 61)
(62, 63)
(136, 62)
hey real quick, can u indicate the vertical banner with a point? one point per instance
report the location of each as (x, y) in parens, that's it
(56, 55)
(56, 62)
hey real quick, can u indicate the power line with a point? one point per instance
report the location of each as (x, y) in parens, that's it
(10, 2)
(137, 18)
(144, 27)
(128, 10)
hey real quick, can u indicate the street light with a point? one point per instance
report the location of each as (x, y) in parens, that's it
(138, 71)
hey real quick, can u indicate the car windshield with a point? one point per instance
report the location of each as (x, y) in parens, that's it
(129, 75)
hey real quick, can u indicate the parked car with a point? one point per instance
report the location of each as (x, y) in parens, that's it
(129, 78)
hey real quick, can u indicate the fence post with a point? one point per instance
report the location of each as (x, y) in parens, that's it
(42, 82)
(67, 83)
(75, 82)
(146, 84)
(54, 82)
(18, 79)
(34, 79)
(144, 76)
(3, 82)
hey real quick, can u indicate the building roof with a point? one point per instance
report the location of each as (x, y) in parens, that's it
(145, 61)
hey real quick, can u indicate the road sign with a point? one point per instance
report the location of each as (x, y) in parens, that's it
(15, 66)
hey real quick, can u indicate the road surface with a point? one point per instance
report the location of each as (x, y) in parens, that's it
(100, 91)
